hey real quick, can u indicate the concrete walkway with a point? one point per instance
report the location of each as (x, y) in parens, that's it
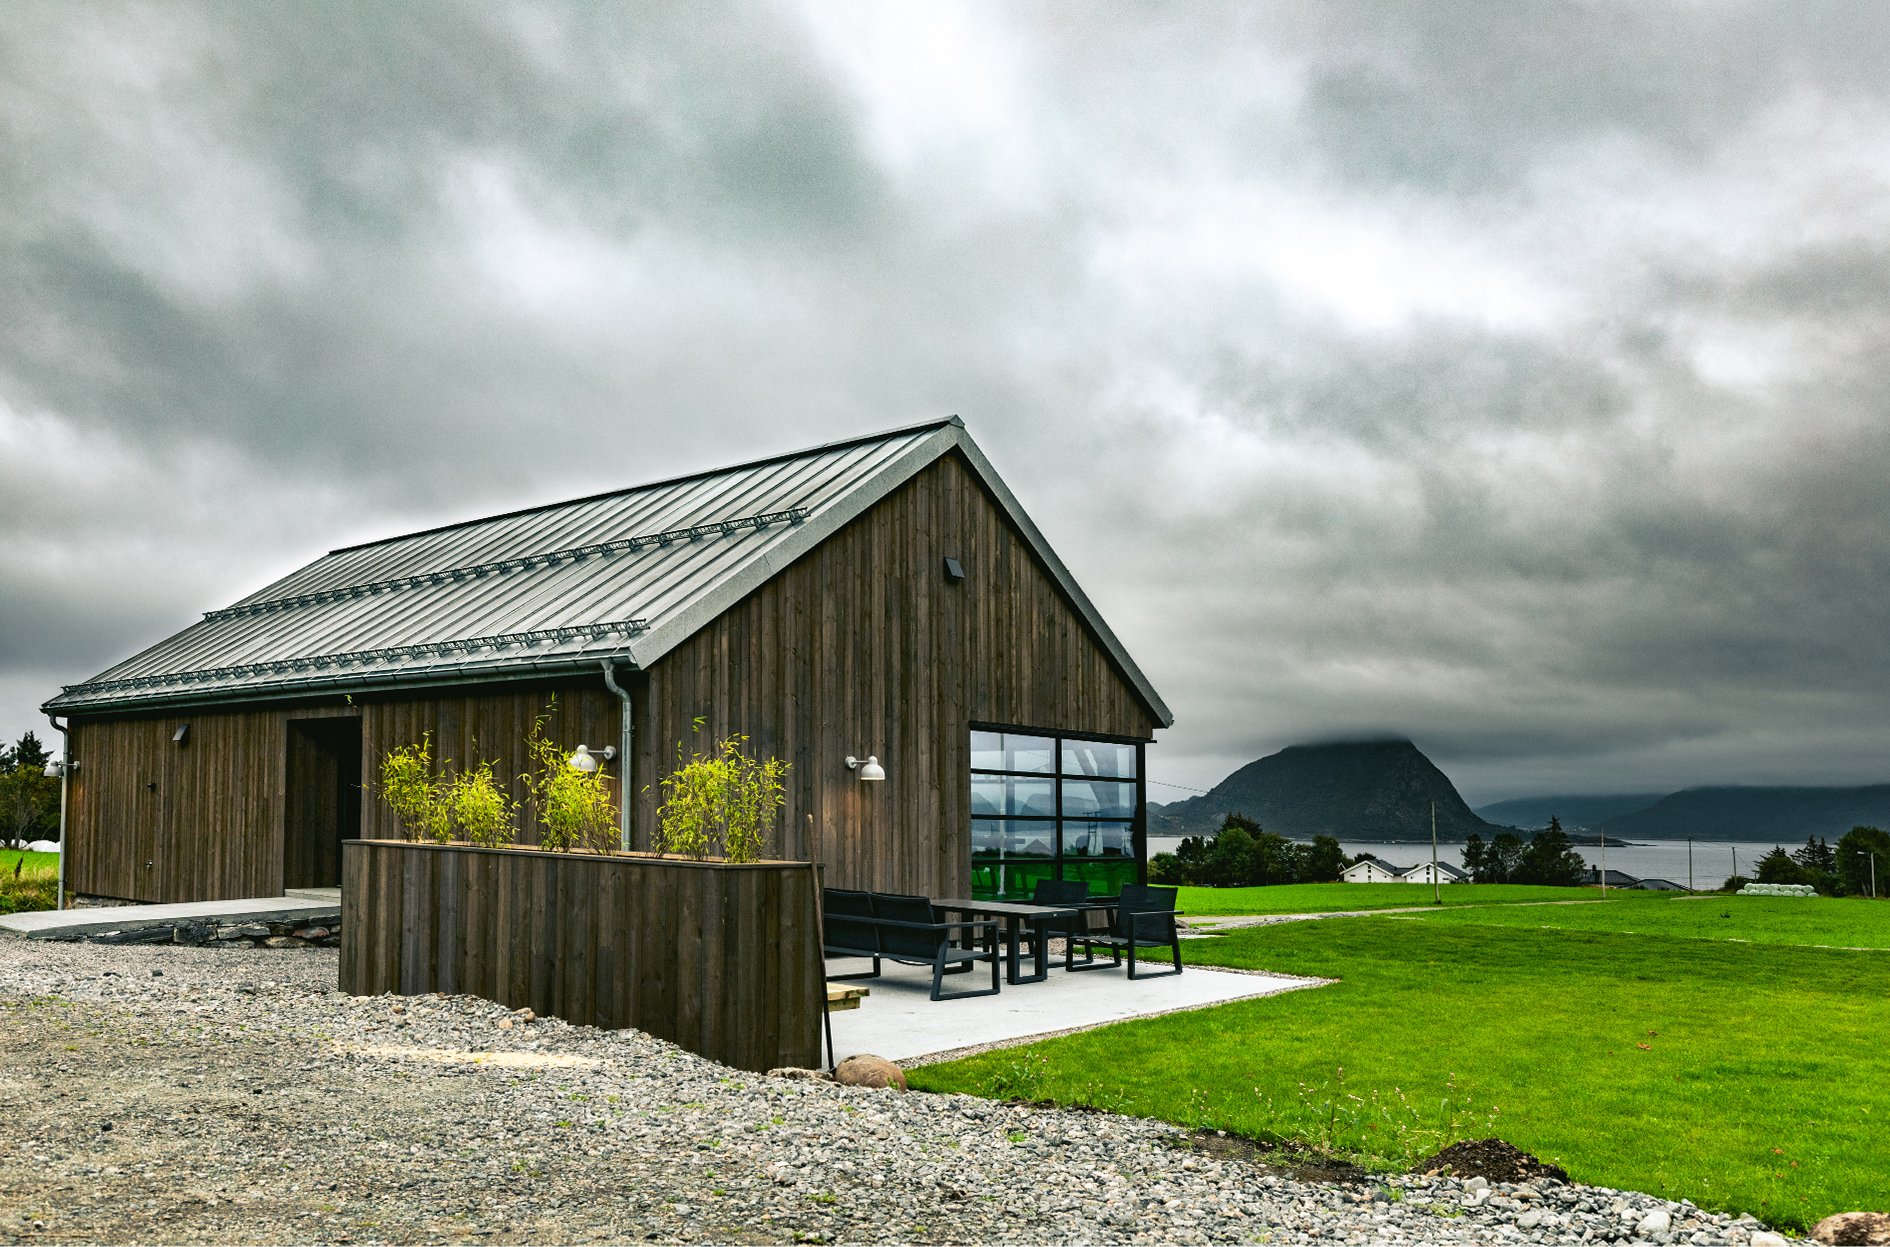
(72, 924)
(899, 1020)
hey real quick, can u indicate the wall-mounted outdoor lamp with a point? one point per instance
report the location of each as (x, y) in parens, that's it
(57, 767)
(181, 735)
(871, 772)
(583, 759)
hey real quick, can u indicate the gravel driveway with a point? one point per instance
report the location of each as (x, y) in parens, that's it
(160, 1094)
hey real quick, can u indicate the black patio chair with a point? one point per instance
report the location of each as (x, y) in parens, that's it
(910, 933)
(850, 929)
(1142, 917)
(1064, 893)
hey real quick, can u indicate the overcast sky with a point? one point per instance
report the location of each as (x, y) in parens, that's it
(1514, 377)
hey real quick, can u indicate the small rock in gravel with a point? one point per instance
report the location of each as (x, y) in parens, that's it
(1656, 1222)
(869, 1071)
(1853, 1229)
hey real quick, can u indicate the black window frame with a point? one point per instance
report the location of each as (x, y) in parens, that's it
(1057, 860)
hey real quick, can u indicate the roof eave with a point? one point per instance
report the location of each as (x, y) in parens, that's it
(338, 683)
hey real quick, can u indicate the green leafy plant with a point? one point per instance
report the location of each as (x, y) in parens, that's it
(479, 810)
(417, 796)
(723, 798)
(575, 809)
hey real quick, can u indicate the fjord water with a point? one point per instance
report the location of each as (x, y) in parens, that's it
(1712, 861)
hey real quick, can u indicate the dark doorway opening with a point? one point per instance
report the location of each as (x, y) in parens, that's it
(324, 800)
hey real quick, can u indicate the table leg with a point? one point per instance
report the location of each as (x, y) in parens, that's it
(1012, 931)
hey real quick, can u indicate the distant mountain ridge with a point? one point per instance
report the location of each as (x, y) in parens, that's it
(1574, 812)
(1770, 815)
(1352, 790)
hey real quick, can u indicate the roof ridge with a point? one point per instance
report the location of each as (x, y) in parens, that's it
(668, 480)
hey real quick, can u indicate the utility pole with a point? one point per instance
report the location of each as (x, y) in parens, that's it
(1689, 863)
(1604, 863)
(1437, 887)
(1872, 855)
(1735, 853)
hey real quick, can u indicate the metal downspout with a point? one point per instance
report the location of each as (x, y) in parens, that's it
(65, 779)
(623, 754)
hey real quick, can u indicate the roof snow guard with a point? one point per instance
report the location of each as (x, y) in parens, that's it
(624, 576)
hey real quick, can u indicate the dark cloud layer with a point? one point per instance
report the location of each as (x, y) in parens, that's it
(1509, 377)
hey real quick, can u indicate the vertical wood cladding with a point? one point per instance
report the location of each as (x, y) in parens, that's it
(863, 647)
(724, 960)
(152, 820)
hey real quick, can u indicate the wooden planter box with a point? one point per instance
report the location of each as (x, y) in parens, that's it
(724, 960)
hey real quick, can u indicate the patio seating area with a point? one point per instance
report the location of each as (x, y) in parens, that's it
(900, 1022)
(909, 945)
(912, 930)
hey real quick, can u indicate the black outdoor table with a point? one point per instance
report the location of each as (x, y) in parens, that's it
(1014, 914)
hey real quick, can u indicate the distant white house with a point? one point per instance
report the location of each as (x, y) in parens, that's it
(1446, 873)
(1373, 870)
(1378, 870)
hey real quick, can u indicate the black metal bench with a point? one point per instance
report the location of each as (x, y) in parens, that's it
(905, 929)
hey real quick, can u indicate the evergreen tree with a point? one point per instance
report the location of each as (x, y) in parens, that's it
(29, 753)
(1550, 860)
(1778, 867)
(1473, 855)
(1502, 859)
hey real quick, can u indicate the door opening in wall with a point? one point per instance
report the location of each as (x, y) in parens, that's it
(324, 800)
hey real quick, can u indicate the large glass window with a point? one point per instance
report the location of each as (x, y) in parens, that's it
(1048, 806)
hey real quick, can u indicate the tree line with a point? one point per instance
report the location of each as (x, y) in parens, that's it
(1242, 854)
(1545, 858)
(1841, 871)
(29, 798)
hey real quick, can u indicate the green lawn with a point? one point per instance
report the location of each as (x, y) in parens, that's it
(1749, 1077)
(35, 887)
(1327, 898)
(1816, 921)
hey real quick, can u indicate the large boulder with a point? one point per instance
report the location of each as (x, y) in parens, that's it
(869, 1071)
(1854, 1229)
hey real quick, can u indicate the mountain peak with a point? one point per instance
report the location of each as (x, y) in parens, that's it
(1376, 789)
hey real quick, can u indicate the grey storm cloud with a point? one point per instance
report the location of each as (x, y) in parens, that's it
(1509, 377)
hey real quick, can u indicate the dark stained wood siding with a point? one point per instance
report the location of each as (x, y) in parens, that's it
(723, 960)
(863, 647)
(151, 820)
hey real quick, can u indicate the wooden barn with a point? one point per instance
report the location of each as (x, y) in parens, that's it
(884, 597)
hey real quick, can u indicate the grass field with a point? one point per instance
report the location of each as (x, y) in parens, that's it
(1748, 1077)
(1327, 898)
(1818, 921)
(35, 887)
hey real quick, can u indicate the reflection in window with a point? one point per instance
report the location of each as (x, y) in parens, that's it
(1013, 837)
(1096, 757)
(1007, 751)
(1094, 837)
(1103, 798)
(1016, 797)
(1048, 807)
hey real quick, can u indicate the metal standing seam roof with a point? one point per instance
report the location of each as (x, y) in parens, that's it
(624, 576)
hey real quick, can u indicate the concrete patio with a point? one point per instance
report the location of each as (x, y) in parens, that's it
(899, 1020)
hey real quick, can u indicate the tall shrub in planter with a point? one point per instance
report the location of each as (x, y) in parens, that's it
(479, 810)
(417, 796)
(575, 812)
(722, 799)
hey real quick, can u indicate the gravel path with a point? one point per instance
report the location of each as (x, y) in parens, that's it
(159, 1094)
